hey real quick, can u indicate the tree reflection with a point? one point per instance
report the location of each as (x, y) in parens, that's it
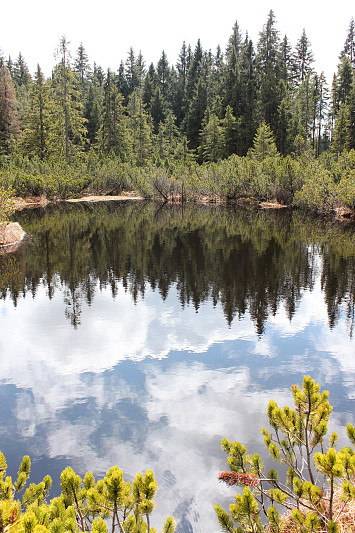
(249, 261)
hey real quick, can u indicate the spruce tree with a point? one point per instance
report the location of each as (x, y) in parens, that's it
(163, 73)
(230, 133)
(211, 146)
(9, 119)
(349, 46)
(303, 58)
(264, 143)
(81, 65)
(21, 74)
(67, 124)
(36, 139)
(113, 134)
(268, 67)
(196, 114)
(139, 128)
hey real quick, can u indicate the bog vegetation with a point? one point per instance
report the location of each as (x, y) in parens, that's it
(246, 121)
(318, 492)
(83, 505)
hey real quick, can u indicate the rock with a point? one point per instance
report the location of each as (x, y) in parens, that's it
(344, 212)
(11, 234)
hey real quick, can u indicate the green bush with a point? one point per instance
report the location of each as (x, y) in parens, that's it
(83, 505)
(319, 485)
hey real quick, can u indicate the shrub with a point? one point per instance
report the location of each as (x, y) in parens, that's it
(83, 505)
(319, 485)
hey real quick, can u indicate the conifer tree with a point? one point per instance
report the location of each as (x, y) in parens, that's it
(163, 73)
(21, 74)
(296, 439)
(36, 135)
(9, 119)
(341, 137)
(81, 65)
(113, 133)
(211, 146)
(269, 97)
(157, 109)
(68, 125)
(139, 128)
(345, 80)
(168, 140)
(149, 85)
(182, 67)
(264, 143)
(287, 63)
(121, 81)
(133, 72)
(196, 114)
(194, 71)
(303, 58)
(83, 505)
(247, 115)
(349, 46)
(230, 133)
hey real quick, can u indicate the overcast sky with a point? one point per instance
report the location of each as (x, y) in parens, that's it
(107, 29)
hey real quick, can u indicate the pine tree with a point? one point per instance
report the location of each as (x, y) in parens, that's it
(194, 71)
(81, 504)
(296, 439)
(168, 140)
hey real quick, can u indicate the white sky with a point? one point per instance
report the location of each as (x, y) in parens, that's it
(107, 29)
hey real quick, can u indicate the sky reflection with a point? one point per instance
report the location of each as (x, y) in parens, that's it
(139, 336)
(154, 385)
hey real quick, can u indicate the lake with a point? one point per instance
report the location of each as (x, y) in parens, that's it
(138, 334)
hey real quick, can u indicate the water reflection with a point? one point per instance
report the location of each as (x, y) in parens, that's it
(247, 261)
(141, 336)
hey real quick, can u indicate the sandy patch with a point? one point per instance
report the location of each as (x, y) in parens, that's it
(272, 205)
(30, 202)
(94, 198)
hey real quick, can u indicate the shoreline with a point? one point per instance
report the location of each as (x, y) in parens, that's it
(342, 214)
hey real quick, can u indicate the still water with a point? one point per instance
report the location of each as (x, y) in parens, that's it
(140, 335)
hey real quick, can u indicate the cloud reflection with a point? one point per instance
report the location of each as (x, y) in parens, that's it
(74, 401)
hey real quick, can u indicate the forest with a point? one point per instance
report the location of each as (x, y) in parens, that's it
(246, 121)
